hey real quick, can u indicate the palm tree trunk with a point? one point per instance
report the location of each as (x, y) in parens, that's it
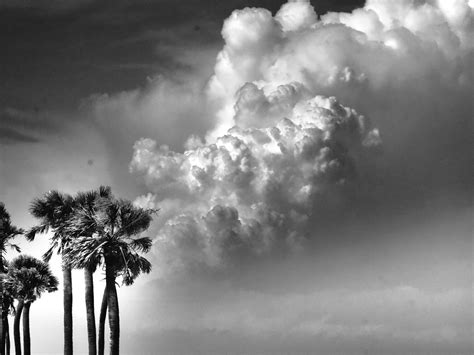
(16, 327)
(91, 331)
(114, 318)
(67, 293)
(103, 313)
(2, 319)
(2, 333)
(2, 327)
(6, 344)
(26, 329)
(7, 335)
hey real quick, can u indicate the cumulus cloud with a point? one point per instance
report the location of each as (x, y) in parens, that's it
(256, 189)
(314, 116)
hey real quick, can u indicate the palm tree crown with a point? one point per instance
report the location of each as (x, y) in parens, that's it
(53, 211)
(106, 234)
(7, 232)
(29, 277)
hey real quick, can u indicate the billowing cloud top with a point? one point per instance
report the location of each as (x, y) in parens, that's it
(256, 187)
(293, 143)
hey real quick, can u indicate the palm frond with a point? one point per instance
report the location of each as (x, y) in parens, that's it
(13, 231)
(49, 253)
(136, 265)
(40, 209)
(3, 211)
(15, 247)
(142, 244)
(133, 219)
(105, 191)
(39, 229)
(7, 232)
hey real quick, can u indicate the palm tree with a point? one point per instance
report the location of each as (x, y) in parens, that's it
(27, 279)
(53, 210)
(85, 203)
(7, 233)
(7, 308)
(131, 266)
(116, 223)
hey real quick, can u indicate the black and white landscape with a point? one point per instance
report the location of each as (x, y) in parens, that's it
(308, 165)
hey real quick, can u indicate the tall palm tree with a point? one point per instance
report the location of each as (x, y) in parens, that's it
(7, 309)
(53, 210)
(115, 245)
(84, 203)
(7, 233)
(131, 266)
(28, 278)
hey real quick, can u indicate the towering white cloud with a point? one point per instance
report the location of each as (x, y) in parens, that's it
(256, 188)
(293, 143)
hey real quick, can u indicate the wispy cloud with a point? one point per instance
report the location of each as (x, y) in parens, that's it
(27, 126)
(11, 136)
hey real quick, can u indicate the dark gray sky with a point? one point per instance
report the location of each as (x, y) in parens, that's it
(103, 46)
(318, 225)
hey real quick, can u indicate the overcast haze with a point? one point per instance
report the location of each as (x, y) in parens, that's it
(312, 163)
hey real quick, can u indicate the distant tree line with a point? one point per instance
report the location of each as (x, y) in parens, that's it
(91, 230)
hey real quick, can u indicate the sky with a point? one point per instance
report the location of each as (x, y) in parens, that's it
(312, 163)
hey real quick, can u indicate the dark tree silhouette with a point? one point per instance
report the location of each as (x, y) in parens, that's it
(7, 233)
(85, 204)
(27, 279)
(114, 244)
(53, 210)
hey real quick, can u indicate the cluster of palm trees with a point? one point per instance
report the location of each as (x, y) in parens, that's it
(90, 230)
(27, 278)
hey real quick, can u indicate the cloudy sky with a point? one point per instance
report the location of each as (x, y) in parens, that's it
(312, 162)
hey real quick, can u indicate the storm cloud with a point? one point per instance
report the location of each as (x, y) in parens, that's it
(316, 118)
